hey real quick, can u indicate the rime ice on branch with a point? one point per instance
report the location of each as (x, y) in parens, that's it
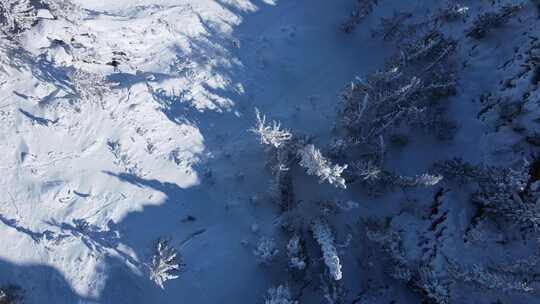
(165, 265)
(316, 164)
(270, 134)
(325, 238)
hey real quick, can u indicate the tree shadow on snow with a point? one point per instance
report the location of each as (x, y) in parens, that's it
(40, 284)
(220, 205)
(199, 221)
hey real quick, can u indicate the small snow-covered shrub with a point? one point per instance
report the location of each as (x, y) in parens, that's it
(165, 264)
(325, 238)
(490, 279)
(431, 287)
(452, 11)
(316, 164)
(17, 15)
(296, 254)
(11, 294)
(266, 250)
(88, 85)
(367, 171)
(270, 133)
(506, 192)
(487, 21)
(425, 179)
(377, 179)
(279, 295)
(287, 148)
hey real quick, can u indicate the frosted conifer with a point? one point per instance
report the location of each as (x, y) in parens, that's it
(325, 238)
(316, 164)
(270, 134)
(165, 265)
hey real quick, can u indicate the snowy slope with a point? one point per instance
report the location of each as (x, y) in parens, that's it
(126, 122)
(136, 161)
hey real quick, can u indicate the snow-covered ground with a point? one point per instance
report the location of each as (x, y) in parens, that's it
(126, 122)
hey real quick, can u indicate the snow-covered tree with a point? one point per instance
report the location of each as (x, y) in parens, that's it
(325, 238)
(279, 295)
(487, 21)
(17, 15)
(266, 250)
(452, 11)
(405, 92)
(371, 108)
(270, 133)
(165, 264)
(316, 164)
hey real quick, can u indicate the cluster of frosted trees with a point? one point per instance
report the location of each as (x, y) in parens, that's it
(17, 16)
(381, 111)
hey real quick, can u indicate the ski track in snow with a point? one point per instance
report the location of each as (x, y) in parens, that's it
(169, 140)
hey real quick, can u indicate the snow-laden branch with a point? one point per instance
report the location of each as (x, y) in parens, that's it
(316, 164)
(165, 265)
(325, 238)
(271, 133)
